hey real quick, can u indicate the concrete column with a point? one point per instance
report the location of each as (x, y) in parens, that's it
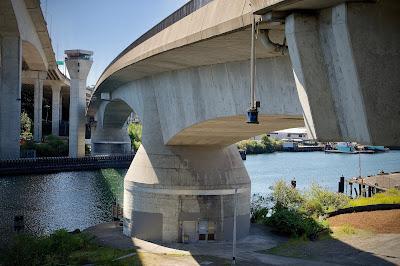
(167, 186)
(38, 105)
(346, 72)
(78, 63)
(61, 106)
(55, 110)
(10, 96)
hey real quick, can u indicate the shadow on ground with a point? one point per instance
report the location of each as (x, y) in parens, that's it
(261, 247)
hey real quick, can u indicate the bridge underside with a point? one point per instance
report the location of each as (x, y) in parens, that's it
(224, 131)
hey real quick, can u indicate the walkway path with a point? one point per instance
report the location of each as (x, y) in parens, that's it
(249, 249)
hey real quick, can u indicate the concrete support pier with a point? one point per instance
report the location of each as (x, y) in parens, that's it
(110, 135)
(78, 63)
(10, 96)
(38, 105)
(175, 194)
(109, 140)
(183, 193)
(345, 62)
(55, 109)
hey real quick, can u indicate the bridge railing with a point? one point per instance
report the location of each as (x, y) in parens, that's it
(179, 14)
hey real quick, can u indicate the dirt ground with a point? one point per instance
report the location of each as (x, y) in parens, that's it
(364, 238)
(376, 221)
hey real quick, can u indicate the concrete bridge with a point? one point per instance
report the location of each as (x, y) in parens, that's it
(333, 63)
(27, 58)
(28, 63)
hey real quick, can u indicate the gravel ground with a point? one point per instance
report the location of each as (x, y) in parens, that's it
(376, 221)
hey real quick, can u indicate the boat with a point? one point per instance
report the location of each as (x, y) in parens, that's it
(376, 148)
(347, 148)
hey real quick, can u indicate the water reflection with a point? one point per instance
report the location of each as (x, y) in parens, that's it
(64, 200)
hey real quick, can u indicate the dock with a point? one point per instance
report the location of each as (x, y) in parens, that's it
(368, 186)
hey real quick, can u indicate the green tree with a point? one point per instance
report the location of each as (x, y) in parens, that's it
(135, 133)
(271, 145)
(26, 125)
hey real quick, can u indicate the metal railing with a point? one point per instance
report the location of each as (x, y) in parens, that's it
(59, 164)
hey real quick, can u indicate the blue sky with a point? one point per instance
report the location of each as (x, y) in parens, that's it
(102, 26)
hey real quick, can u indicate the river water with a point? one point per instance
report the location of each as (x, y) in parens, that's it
(81, 199)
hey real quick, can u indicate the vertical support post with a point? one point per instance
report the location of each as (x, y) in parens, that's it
(10, 95)
(38, 106)
(78, 63)
(351, 190)
(253, 64)
(234, 230)
(222, 214)
(55, 110)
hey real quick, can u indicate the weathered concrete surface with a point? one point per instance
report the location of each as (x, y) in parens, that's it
(346, 73)
(195, 178)
(166, 185)
(38, 105)
(78, 69)
(10, 94)
(55, 109)
(205, 105)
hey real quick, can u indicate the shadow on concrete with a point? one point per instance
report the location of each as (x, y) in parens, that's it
(255, 249)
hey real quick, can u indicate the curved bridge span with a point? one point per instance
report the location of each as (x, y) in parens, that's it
(188, 79)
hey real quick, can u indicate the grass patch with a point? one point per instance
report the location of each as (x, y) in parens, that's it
(294, 248)
(392, 196)
(103, 256)
(62, 248)
(347, 229)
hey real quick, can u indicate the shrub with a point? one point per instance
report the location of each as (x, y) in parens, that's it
(52, 147)
(251, 146)
(135, 133)
(286, 196)
(266, 145)
(320, 201)
(48, 250)
(294, 223)
(258, 208)
(295, 213)
(271, 145)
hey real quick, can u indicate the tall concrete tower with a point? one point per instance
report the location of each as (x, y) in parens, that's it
(78, 63)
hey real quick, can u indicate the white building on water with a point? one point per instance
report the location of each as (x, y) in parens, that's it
(298, 133)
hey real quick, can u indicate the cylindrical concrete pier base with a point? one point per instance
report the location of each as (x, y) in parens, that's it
(110, 141)
(186, 193)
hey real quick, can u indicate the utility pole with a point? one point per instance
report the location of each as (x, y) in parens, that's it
(234, 229)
